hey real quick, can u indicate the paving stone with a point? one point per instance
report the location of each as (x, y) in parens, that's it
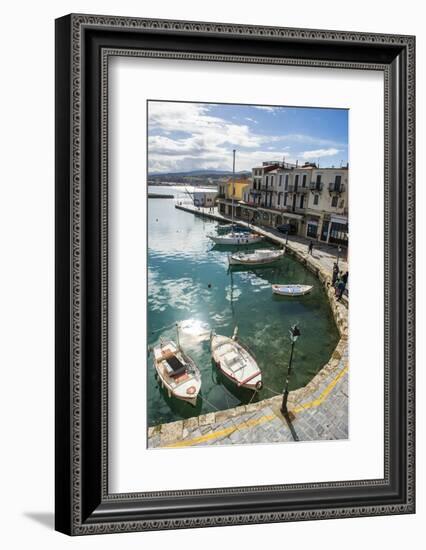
(205, 419)
(154, 442)
(170, 432)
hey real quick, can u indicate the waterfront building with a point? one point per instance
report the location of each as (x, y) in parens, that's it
(206, 199)
(311, 200)
(229, 191)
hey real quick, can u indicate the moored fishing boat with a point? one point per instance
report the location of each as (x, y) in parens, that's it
(236, 362)
(177, 371)
(236, 237)
(262, 256)
(291, 290)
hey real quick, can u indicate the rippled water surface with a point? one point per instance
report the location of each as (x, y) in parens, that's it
(189, 282)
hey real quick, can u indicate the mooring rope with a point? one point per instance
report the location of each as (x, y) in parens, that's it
(271, 390)
(236, 426)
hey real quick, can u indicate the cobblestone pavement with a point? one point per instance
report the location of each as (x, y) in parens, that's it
(321, 414)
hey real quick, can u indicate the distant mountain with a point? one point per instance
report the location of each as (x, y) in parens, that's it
(204, 173)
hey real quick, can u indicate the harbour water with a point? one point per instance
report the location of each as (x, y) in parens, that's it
(189, 282)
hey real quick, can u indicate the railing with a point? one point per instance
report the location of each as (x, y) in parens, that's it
(334, 187)
(316, 186)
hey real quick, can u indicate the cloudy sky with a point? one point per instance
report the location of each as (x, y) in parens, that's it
(195, 136)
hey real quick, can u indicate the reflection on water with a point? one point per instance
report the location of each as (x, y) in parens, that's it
(189, 282)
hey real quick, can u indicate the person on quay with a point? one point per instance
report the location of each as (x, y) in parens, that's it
(310, 248)
(335, 273)
(342, 285)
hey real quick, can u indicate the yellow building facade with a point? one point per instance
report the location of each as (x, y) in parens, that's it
(236, 188)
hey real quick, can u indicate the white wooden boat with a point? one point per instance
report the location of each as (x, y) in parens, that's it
(236, 237)
(262, 256)
(235, 361)
(291, 290)
(177, 372)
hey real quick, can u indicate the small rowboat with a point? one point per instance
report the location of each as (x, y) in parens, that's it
(262, 256)
(177, 371)
(291, 290)
(235, 362)
(237, 237)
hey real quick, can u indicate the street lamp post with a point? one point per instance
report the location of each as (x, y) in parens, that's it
(339, 250)
(294, 335)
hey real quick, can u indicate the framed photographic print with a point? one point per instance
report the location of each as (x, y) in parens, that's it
(234, 274)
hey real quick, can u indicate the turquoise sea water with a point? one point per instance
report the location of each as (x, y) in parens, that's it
(189, 282)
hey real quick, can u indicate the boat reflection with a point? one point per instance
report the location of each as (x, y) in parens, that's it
(181, 408)
(242, 395)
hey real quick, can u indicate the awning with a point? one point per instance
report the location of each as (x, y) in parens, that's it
(339, 219)
(291, 215)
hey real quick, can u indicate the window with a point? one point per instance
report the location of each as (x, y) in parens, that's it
(285, 198)
(316, 199)
(337, 180)
(272, 180)
(286, 182)
(281, 180)
(312, 230)
(296, 181)
(266, 180)
(334, 201)
(302, 201)
(304, 180)
(318, 178)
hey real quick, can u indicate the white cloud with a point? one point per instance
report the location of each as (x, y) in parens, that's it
(203, 141)
(319, 153)
(266, 108)
(187, 136)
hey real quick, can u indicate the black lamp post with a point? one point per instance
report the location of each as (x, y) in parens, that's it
(294, 335)
(339, 250)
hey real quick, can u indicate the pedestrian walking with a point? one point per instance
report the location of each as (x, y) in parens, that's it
(341, 285)
(310, 248)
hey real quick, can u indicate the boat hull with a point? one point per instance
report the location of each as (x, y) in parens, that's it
(236, 239)
(291, 290)
(249, 376)
(186, 390)
(255, 259)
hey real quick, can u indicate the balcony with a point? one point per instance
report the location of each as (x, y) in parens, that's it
(335, 187)
(316, 186)
(296, 189)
